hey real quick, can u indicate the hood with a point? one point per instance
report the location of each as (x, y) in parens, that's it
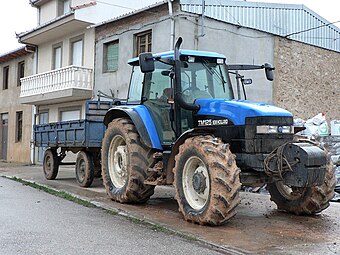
(238, 110)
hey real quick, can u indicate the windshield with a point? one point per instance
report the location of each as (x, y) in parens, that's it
(205, 80)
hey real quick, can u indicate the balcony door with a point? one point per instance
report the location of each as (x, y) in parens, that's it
(57, 57)
(77, 53)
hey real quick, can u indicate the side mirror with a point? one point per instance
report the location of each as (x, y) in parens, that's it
(146, 62)
(269, 71)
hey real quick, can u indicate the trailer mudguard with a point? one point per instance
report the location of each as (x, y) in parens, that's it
(141, 117)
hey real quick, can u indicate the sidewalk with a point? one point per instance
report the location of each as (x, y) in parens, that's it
(258, 228)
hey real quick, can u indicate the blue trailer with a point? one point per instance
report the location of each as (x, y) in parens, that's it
(83, 136)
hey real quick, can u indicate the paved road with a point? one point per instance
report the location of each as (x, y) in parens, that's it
(34, 222)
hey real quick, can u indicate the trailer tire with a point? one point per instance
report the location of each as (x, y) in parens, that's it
(97, 165)
(305, 201)
(84, 169)
(206, 180)
(51, 164)
(125, 161)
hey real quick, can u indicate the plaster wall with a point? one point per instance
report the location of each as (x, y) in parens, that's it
(9, 103)
(240, 45)
(45, 51)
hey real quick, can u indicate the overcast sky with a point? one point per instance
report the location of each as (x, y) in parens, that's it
(18, 16)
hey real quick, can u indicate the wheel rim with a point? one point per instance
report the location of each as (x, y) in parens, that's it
(196, 183)
(81, 170)
(117, 159)
(290, 193)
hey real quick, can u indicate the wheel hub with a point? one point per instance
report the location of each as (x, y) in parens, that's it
(120, 161)
(199, 182)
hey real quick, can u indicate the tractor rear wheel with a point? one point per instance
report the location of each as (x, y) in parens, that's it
(304, 201)
(51, 164)
(84, 169)
(206, 181)
(125, 161)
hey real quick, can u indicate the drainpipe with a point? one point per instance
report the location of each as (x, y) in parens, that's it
(34, 110)
(203, 14)
(172, 25)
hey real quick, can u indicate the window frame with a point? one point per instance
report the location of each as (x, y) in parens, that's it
(19, 126)
(69, 109)
(105, 56)
(5, 77)
(20, 72)
(72, 42)
(54, 47)
(61, 7)
(148, 48)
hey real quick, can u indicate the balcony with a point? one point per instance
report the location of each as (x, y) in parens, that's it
(62, 85)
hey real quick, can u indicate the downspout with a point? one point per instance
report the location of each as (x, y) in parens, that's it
(34, 111)
(172, 25)
(203, 15)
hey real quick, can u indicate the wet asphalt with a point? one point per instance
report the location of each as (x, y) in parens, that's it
(34, 222)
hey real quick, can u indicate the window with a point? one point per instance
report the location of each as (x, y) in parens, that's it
(21, 72)
(77, 53)
(143, 42)
(5, 77)
(63, 7)
(18, 128)
(57, 56)
(67, 115)
(111, 56)
(66, 6)
(135, 93)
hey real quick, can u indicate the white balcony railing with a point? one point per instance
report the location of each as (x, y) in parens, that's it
(57, 80)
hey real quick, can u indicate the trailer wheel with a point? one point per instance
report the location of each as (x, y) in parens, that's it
(84, 169)
(97, 165)
(206, 181)
(125, 161)
(304, 201)
(51, 164)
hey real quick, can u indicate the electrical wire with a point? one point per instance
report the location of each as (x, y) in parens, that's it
(313, 28)
(124, 7)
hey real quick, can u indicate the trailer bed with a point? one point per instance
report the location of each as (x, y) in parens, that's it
(87, 132)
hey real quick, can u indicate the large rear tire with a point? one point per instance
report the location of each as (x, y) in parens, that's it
(51, 164)
(304, 201)
(84, 169)
(206, 181)
(125, 161)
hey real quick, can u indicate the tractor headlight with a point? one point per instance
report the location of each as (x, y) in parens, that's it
(274, 129)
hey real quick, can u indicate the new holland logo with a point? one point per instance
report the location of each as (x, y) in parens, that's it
(211, 122)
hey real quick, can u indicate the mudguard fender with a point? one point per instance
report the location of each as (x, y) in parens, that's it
(175, 148)
(141, 117)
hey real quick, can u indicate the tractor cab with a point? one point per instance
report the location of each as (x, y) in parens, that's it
(203, 75)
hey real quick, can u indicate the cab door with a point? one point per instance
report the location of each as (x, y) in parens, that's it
(157, 90)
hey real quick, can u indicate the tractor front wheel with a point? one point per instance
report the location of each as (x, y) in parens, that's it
(125, 161)
(206, 181)
(304, 201)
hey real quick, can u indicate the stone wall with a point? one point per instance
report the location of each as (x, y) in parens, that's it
(307, 79)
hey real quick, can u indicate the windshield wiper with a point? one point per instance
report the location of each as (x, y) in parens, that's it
(212, 71)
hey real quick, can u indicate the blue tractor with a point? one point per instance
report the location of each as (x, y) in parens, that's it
(181, 125)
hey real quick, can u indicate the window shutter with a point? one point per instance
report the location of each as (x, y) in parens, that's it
(112, 57)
